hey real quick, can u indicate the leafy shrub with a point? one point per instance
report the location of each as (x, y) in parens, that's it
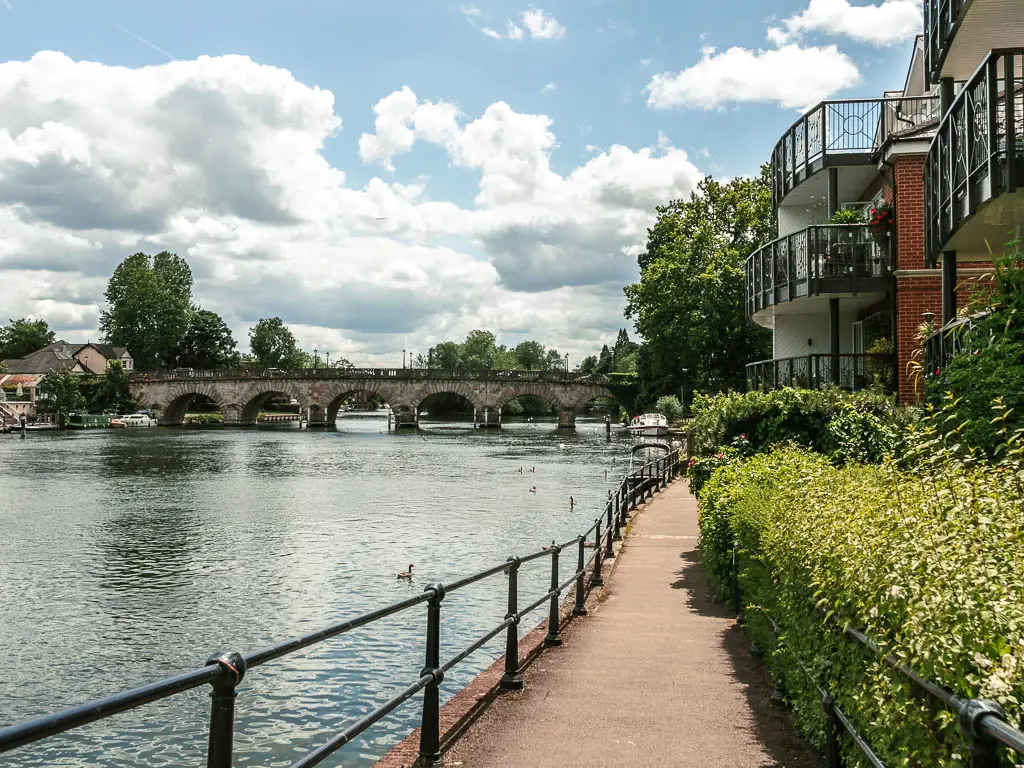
(669, 407)
(990, 363)
(927, 561)
(864, 426)
(848, 216)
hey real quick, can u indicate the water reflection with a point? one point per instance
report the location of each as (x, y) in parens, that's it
(132, 555)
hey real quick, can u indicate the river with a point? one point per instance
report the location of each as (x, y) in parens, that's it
(130, 555)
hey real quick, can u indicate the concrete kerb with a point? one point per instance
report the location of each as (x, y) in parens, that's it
(466, 706)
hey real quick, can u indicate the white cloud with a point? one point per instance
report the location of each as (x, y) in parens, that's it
(793, 76)
(513, 32)
(470, 10)
(885, 23)
(220, 159)
(541, 25)
(550, 87)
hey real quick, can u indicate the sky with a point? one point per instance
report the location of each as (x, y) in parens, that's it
(388, 175)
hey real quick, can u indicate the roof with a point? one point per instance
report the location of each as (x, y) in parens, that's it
(107, 350)
(14, 379)
(58, 354)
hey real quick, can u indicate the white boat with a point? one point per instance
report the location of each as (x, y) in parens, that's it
(137, 420)
(653, 424)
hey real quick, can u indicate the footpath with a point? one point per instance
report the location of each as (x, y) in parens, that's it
(657, 675)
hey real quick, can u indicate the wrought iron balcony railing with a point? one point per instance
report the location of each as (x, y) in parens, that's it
(978, 153)
(851, 372)
(844, 133)
(941, 18)
(826, 258)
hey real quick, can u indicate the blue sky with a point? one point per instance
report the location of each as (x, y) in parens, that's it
(586, 66)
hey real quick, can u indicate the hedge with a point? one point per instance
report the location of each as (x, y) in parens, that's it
(930, 562)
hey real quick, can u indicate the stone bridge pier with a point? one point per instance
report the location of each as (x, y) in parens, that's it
(320, 394)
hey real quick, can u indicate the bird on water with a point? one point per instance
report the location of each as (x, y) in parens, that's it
(406, 575)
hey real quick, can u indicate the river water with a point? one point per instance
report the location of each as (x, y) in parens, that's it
(131, 555)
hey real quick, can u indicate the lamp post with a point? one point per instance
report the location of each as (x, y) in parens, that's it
(403, 358)
(682, 389)
(328, 356)
(316, 358)
(567, 364)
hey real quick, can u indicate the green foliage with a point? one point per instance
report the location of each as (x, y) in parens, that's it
(847, 216)
(863, 427)
(669, 407)
(926, 560)
(207, 344)
(149, 307)
(109, 392)
(689, 303)
(478, 350)
(990, 363)
(530, 355)
(274, 346)
(446, 356)
(23, 337)
(58, 394)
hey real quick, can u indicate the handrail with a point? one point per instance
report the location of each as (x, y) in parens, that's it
(400, 374)
(224, 672)
(849, 371)
(982, 722)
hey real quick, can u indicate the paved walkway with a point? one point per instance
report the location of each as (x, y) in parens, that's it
(657, 675)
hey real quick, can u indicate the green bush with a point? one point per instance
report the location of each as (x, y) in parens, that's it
(669, 407)
(864, 426)
(928, 561)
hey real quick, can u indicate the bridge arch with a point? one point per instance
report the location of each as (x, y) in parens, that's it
(180, 395)
(463, 389)
(255, 396)
(336, 396)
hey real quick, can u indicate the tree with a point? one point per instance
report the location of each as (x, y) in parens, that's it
(113, 393)
(478, 350)
(207, 343)
(589, 364)
(669, 407)
(553, 361)
(446, 356)
(274, 345)
(149, 308)
(23, 337)
(689, 303)
(530, 355)
(505, 359)
(59, 394)
(605, 361)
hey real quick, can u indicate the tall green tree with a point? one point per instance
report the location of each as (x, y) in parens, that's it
(605, 361)
(553, 361)
(23, 337)
(274, 346)
(530, 355)
(113, 392)
(59, 394)
(446, 356)
(478, 350)
(149, 307)
(688, 304)
(207, 343)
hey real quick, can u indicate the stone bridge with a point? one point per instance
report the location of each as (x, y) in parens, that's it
(321, 392)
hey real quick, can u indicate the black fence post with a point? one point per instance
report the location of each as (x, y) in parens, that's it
(737, 598)
(618, 517)
(983, 750)
(512, 680)
(595, 579)
(650, 480)
(580, 609)
(222, 708)
(430, 724)
(553, 637)
(833, 757)
(608, 551)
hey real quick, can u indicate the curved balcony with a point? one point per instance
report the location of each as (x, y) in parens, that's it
(975, 164)
(958, 34)
(851, 372)
(844, 133)
(830, 259)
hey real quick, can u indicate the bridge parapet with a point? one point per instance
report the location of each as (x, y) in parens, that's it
(397, 374)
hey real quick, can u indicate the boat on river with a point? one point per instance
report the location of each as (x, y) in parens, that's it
(650, 424)
(134, 420)
(88, 421)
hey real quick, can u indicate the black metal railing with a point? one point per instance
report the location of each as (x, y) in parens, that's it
(825, 258)
(402, 374)
(978, 153)
(941, 19)
(852, 372)
(982, 722)
(941, 346)
(846, 132)
(223, 672)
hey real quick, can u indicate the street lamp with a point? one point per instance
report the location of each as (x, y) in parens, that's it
(566, 363)
(328, 356)
(403, 358)
(315, 358)
(682, 389)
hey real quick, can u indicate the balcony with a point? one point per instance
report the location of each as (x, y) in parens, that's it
(822, 259)
(852, 372)
(977, 159)
(958, 34)
(847, 133)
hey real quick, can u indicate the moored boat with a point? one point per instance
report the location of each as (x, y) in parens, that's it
(652, 424)
(136, 420)
(88, 421)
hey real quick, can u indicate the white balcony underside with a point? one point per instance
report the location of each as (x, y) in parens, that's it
(818, 306)
(986, 25)
(807, 202)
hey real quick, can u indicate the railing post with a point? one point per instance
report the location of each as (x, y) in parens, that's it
(430, 724)
(553, 638)
(650, 480)
(618, 517)
(512, 680)
(580, 609)
(608, 550)
(595, 578)
(984, 751)
(222, 708)
(833, 757)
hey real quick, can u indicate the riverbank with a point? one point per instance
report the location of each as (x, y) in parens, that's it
(658, 674)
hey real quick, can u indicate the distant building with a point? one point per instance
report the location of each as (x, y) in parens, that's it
(96, 358)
